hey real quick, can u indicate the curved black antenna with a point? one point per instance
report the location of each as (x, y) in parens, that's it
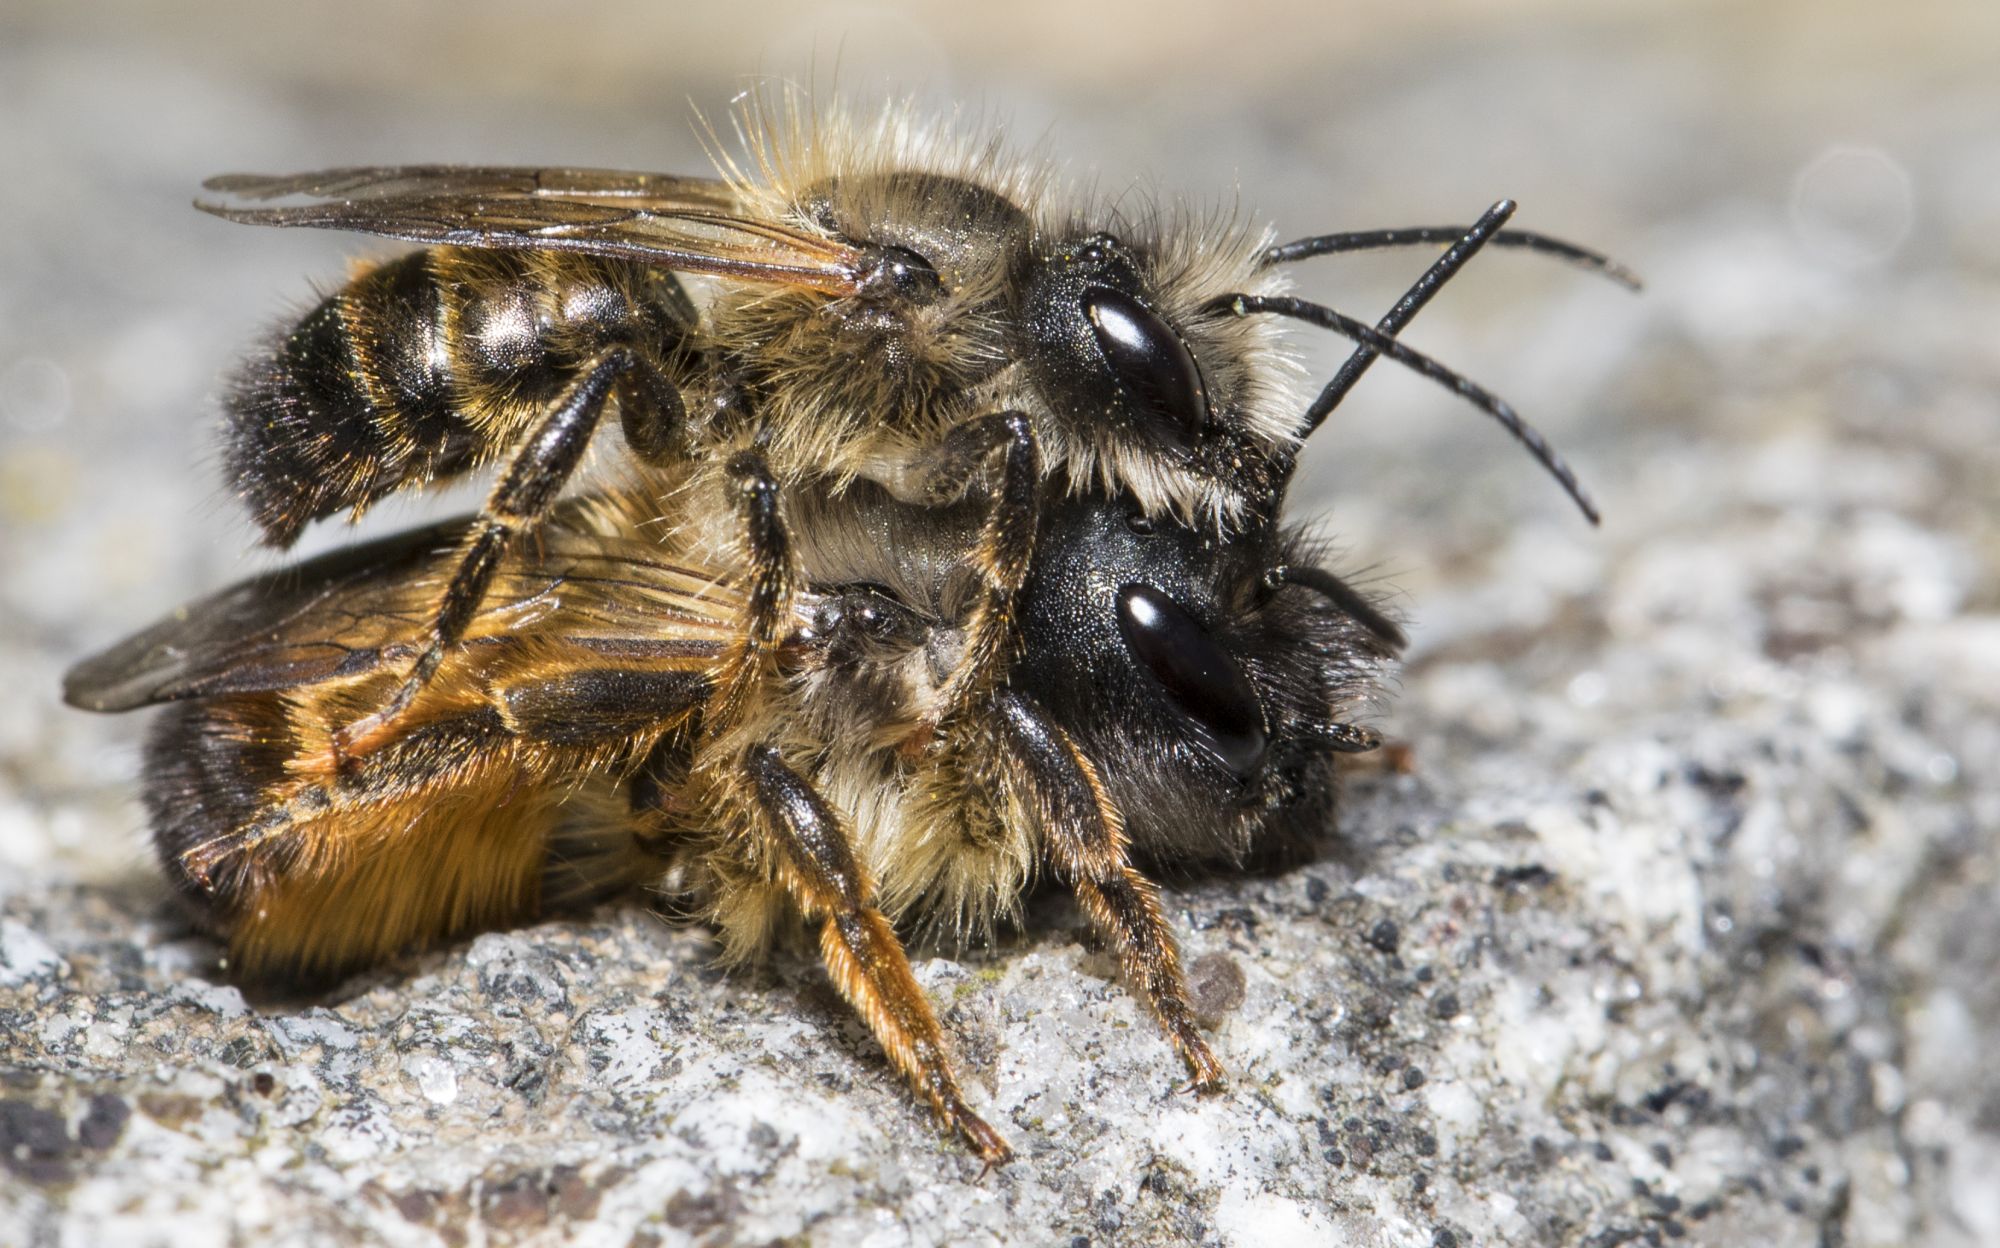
(1342, 595)
(1413, 235)
(1442, 270)
(1480, 397)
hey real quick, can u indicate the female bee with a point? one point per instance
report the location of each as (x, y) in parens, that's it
(881, 299)
(1173, 700)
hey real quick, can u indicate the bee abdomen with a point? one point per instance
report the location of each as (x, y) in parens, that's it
(353, 402)
(317, 880)
(419, 368)
(205, 780)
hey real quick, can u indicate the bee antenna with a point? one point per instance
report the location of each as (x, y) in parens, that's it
(1342, 595)
(1416, 361)
(1442, 270)
(1413, 235)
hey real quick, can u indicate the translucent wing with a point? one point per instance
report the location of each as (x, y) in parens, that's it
(693, 225)
(345, 615)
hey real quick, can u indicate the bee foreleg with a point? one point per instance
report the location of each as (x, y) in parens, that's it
(529, 486)
(1085, 840)
(865, 960)
(1006, 540)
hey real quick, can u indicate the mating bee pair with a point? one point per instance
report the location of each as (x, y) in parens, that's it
(948, 552)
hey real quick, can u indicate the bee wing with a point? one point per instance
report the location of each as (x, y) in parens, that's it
(694, 225)
(345, 615)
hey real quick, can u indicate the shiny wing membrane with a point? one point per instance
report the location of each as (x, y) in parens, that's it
(346, 615)
(692, 225)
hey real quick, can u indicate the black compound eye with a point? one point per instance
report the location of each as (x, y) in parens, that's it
(1150, 361)
(1198, 677)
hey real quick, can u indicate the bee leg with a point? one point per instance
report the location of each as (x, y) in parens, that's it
(472, 740)
(1006, 541)
(202, 863)
(765, 551)
(521, 497)
(817, 863)
(650, 413)
(1085, 839)
(817, 866)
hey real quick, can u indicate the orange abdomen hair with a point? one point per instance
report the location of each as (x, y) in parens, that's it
(456, 833)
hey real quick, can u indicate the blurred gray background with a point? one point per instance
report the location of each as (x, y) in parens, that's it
(1793, 431)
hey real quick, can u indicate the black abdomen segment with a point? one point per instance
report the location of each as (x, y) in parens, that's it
(423, 366)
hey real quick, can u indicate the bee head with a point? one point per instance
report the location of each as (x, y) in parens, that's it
(1101, 351)
(1212, 678)
(1147, 390)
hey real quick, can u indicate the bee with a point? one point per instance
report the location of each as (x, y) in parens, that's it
(882, 305)
(872, 639)
(1179, 698)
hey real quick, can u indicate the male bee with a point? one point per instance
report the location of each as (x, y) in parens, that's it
(882, 299)
(970, 569)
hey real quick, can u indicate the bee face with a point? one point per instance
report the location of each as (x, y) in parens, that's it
(1135, 385)
(1099, 352)
(1206, 692)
